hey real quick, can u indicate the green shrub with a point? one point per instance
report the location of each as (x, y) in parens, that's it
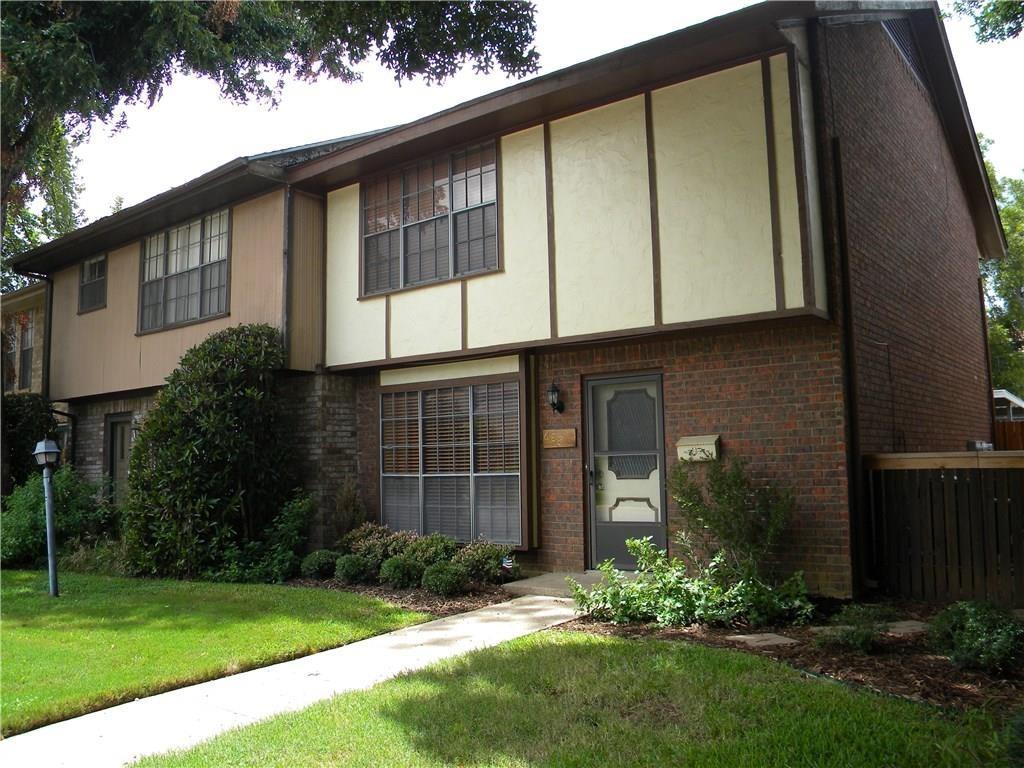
(276, 557)
(349, 512)
(319, 564)
(731, 514)
(978, 636)
(402, 571)
(663, 592)
(211, 468)
(353, 569)
(1013, 736)
(377, 543)
(857, 627)
(428, 550)
(482, 561)
(78, 515)
(445, 579)
(27, 419)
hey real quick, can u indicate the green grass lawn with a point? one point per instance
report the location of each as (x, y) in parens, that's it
(108, 640)
(571, 699)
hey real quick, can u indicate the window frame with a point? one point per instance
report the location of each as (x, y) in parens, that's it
(82, 283)
(25, 376)
(401, 170)
(522, 415)
(165, 234)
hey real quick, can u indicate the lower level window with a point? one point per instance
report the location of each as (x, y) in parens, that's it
(450, 461)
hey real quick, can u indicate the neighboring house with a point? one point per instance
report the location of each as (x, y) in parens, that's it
(24, 338)
(764, 229)
(1008, 407)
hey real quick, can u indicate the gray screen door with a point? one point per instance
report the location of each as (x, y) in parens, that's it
(625, 466)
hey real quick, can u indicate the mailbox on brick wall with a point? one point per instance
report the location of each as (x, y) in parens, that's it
(698, 447)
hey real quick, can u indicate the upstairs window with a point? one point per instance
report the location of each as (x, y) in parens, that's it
(432, 221)
(92, 285)
(28, 332)
(185, 273)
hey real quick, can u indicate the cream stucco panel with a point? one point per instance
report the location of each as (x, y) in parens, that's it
(714, 208)
(603, 268)
(464, 369)
(789, 209)
(426, 320)
(512, 305)
(355, 329)
(813, 198)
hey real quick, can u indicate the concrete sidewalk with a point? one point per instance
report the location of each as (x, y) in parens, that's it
(187, 716)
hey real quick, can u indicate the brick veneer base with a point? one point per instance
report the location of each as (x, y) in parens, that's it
(773, 394)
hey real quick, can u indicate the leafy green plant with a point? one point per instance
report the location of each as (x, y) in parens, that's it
(730, 513)
(80, 516)
(434, 548)
(319, 564)
(353, 569)
(662, 591)
(857, 627)
(349, 511)
(978, 636)
(377, 543)
(27, 419)
(1013, 739)
(402, 571)
(482, 561)
(210, 468)
(274, 558)
(445, 579)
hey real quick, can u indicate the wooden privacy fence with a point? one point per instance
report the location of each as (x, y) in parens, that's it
(946, 526)
(1010, 435)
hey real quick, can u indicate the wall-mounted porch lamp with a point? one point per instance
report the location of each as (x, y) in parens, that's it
(553, 398)
(47, 453)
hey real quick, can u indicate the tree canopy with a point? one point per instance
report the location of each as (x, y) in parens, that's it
(1004, 284)
(993, 19)
(67, 65)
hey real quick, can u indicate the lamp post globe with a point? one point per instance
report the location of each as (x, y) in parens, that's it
(46, 452)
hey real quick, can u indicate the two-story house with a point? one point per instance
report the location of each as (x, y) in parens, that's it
(759, 234)
(24, 338)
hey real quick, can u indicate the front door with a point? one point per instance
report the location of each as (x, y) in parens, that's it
(119, 452)
(625, 466)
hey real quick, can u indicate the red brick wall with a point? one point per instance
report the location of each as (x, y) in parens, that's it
(912, 251)
(774, 395)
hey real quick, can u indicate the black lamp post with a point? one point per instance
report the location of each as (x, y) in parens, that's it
(47, 453)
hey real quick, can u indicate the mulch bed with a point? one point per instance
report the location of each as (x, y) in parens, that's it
(418, 599)
(902, 666)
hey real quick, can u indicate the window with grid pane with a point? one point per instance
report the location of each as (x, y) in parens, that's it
(185, 273)
(432, 221)
(28, 333)
(450, 461)
(92, 284)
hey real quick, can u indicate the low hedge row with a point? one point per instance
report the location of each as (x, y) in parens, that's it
(374, 553)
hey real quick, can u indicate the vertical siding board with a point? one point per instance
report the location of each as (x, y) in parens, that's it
(975, 509)
(1001, 505)
(938, 518)
(988, 517)
(953, 562)
(1016, 491)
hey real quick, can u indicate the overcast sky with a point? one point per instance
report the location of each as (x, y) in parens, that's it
(192, 130)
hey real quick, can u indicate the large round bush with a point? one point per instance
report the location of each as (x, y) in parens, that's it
(210, 469)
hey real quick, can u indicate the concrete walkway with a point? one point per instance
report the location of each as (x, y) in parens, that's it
(554, 584)
(188, 716)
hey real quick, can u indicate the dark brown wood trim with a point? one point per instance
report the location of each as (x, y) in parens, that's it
(622, 335)
(387, 327)
(323, 278)
(183, 324)
(550, 203)
(797, 125)
(418, 386)
(499, 194)
(123, 394)
(773, 184)
(465, 313)
(652, 182)
(431, 284)
(286, 250)
(446, 121)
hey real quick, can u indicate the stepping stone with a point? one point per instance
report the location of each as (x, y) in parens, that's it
(908, 627)
(763, 640)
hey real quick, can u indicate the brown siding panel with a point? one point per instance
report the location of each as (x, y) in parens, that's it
(305, 283)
